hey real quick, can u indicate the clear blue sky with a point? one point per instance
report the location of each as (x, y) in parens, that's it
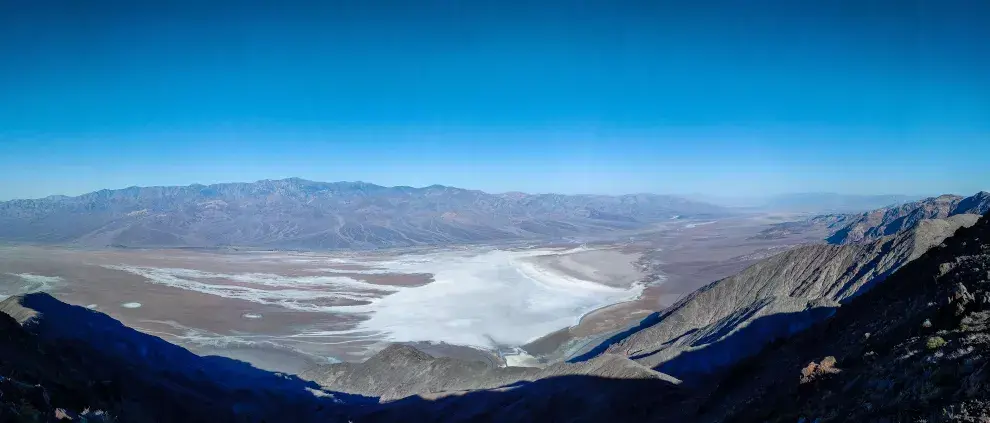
(726, 98)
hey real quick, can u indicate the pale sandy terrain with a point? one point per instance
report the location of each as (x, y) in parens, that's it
(608, 266)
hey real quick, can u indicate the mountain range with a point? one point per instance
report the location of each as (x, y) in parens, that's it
(297, 213)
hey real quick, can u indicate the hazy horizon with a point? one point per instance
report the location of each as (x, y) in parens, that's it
(722, 98)
(699, 196)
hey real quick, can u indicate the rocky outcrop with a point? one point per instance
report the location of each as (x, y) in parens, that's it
(887, 221)
(735, 317)
(400, 370)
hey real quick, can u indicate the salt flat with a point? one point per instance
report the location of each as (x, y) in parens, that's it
(485, 299)
(274, 308)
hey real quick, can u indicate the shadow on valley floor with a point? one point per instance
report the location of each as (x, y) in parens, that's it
(648, 321)
(720, 349)
(719, 354)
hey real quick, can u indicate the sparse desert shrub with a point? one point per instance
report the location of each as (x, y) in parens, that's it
(935, 342)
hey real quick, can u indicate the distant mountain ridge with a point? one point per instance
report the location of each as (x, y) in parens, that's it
(847, 228)
(875, 224)
(298, 213)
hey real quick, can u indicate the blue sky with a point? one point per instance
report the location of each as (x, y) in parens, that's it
(724, 98)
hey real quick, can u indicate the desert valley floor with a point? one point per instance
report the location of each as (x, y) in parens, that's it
(284, 310)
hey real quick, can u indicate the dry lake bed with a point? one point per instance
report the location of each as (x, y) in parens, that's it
(289, 310)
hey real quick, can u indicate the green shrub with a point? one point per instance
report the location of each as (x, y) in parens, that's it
(935, 342)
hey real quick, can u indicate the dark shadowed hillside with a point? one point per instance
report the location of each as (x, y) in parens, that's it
(296, 213)
(58, 356)
(912, 349)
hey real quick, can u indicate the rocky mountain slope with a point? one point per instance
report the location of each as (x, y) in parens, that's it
(400, 371)
(846, 228)
(296, 213)
(732, 318)
(912, 349)
(872, 225)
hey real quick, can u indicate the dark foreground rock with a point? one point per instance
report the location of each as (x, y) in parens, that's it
(60, 356)
(915, 348)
